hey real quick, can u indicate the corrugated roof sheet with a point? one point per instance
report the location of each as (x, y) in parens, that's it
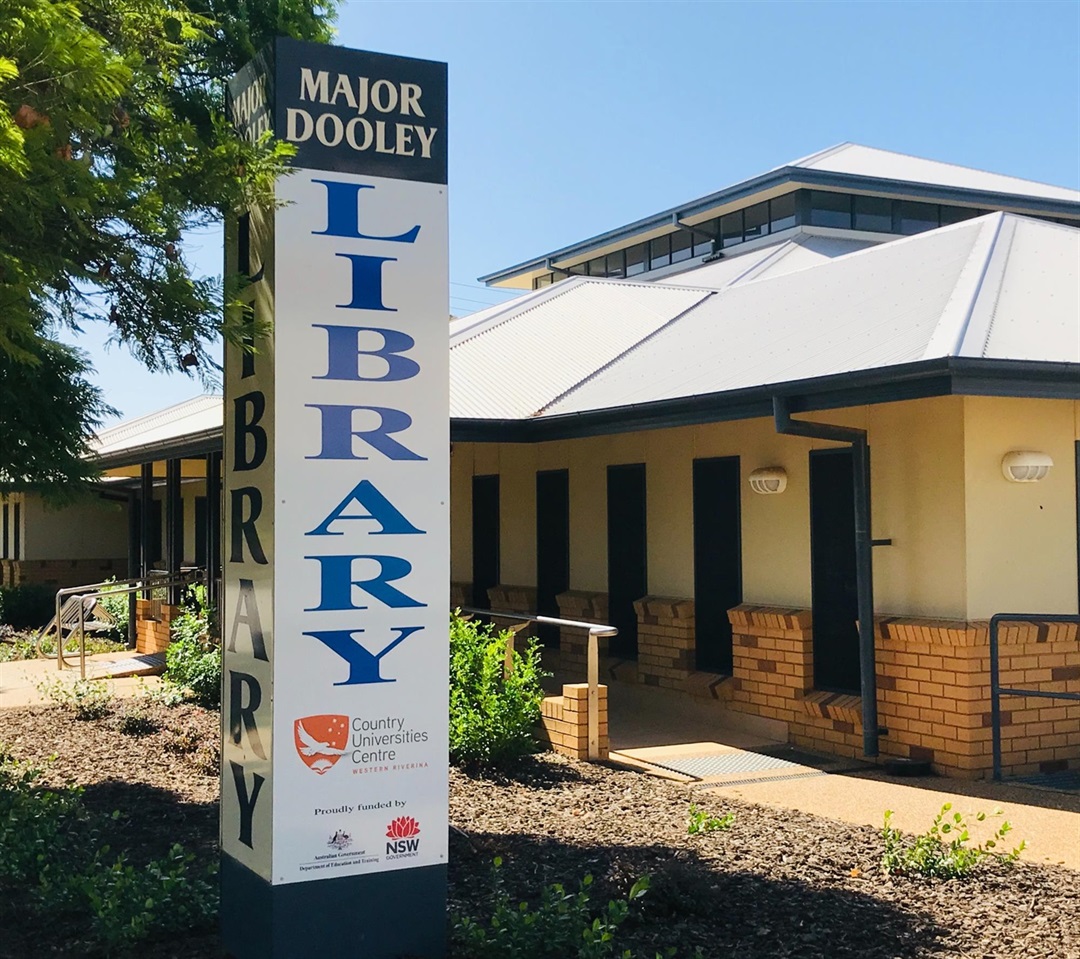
(773, 260)
(999, 286)
(196, 415)
(512, 366)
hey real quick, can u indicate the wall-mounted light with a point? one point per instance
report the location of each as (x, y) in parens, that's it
(1025, 466)
(768, 480)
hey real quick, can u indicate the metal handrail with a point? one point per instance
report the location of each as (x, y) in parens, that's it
(94, 591)
(596, 630)
(997, 690)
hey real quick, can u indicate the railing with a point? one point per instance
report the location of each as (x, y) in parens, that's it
(92, 592)
(997, 690)
(596, 630)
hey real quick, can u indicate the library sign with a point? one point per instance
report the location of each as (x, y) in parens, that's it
(334, 759)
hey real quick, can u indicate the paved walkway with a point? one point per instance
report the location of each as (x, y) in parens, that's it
(724, 755)
(19, 680)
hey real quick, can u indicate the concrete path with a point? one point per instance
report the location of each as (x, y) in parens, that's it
(716, 753)
(19, 680)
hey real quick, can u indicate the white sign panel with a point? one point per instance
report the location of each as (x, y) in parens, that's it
(362, 535)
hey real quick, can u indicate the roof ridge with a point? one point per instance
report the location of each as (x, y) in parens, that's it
(951, 328)
(626, 352)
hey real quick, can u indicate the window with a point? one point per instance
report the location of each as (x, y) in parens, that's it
(731, 229)
(660, 252)
(830, 209)
(702, 246)
(16, 552)
(873, 213)
(681, 246)
(917, 217)
(955, 214)
(756, 221)
(635, 260)
(543, 280)
(4, 532)
(782, 213)
(616, 263)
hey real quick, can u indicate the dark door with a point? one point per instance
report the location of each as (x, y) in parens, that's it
(833, 571)
(485, 538)
(202, 528)
(717, 559)
(552, 546)
(627, 574)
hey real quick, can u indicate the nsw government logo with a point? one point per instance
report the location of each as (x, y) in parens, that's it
(403, 833)
(321, 740)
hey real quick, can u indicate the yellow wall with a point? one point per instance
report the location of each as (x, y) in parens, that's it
(918, 500)
(91, 528)
(1021, 537)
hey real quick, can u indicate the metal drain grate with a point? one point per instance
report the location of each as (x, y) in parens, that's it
(754, 780)
(1068, 781)
(722, 764)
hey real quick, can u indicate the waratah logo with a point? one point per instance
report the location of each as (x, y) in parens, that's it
(321, 740)
(404, 827)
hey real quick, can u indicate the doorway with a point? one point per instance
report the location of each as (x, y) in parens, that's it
(717, 559)
(485, 538)
(552, 547)
(834, 571)
(627, 570)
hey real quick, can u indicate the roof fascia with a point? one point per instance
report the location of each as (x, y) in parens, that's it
(798, 177)
(180, 447)
(942, 376)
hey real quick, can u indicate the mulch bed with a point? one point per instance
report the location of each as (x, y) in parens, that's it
(776, 884)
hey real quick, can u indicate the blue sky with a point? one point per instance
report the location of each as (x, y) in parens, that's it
(570, 118)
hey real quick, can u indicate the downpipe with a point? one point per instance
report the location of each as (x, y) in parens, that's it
(864, 562)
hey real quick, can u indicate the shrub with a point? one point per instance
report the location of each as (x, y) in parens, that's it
(28, 606)
(86, 698)
(54, 854)
(563, 925)
(701, 821)
(117, 606)
(493, 713)
(193, 659)
(943, 852)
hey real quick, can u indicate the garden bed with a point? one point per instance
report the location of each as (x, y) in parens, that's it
(774, 884)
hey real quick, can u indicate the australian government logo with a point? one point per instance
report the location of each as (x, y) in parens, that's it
(380, 744)
(403, 835)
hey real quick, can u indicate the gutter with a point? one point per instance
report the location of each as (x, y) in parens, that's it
(864, 562)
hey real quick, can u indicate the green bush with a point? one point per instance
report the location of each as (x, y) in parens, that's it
(944, 851)
(701, 821)
(28, 606)
(493, 713)
(54, 856)
(563, 925)
(86, 698)
(117, 606)
(193, 659)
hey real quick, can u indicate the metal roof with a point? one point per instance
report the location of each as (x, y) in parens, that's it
(803, 250)
(510, 366)
(199, 416)
(855, 159)
(995, 300)
(998, 287)
(846, 166)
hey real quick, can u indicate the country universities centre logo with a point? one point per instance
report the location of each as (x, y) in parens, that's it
(321, 740)
(403, 833)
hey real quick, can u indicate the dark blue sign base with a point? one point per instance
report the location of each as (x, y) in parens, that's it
(387, 915)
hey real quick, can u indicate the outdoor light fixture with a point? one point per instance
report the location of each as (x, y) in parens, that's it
(768, 480)
(1025, 466)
